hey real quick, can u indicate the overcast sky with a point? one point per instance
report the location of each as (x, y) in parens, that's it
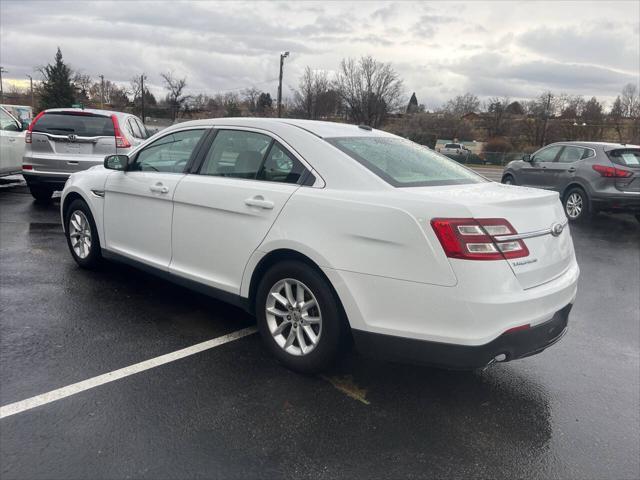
(440, 49)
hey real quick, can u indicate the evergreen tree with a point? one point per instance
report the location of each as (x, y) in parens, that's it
(57, 89)
(264, 103)
(413, 104)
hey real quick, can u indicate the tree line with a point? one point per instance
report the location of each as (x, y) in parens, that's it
(362, 91)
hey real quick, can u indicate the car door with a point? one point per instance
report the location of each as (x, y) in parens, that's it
(225, 209)
(138, 203)
(536, 172)
(11, 144)
(562, 170)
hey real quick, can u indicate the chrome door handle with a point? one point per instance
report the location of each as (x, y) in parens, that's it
(11, 139)
(159, 188)
(571, 170)
(259, 201)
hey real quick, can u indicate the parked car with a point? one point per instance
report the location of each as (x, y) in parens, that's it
(62, 141)
(11, 143)
(590, 176)
(327, 231)
(455, 150)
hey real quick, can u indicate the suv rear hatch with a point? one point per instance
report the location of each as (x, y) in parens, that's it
(532, 213)
(69, 141)
(627, 179)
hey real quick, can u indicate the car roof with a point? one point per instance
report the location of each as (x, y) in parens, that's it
(604, 145)
(94, 111)
(318, 128)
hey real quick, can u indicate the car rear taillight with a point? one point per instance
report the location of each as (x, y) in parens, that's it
(27, 135)
(611, 171)
(478, 238)
(27, 167)
(121, 140)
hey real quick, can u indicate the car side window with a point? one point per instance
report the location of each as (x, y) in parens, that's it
(143, 129)
(571, 154)
(236, 154)
(547, 155)
(281, 166)
(133, 128)
(7, 123)
(170, 153)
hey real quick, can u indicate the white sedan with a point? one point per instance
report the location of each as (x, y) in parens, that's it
(328, 232)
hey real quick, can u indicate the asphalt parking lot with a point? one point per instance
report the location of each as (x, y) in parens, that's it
(233, 412)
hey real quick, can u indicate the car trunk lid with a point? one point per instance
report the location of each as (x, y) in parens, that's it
(532, 213)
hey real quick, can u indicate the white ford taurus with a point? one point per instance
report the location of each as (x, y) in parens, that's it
(328, 232)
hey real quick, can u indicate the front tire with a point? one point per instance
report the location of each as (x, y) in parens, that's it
(82, 235)
(299, 317)
(41, 194)
(576, 205)
(508, 179)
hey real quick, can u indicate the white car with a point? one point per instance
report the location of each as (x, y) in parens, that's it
(329, 231)
(11, 143)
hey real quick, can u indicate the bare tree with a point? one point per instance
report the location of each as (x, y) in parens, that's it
(250, 97)
(369, 89)
(175, 98)
(616, 116)
(462, 104)
(630, 101)
(497, 107)
(315, 98)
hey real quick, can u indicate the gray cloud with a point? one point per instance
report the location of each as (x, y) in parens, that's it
(495, 48)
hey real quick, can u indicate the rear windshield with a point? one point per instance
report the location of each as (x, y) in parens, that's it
(452, 145)
(403, 163)
(83, 125)
(627, 157)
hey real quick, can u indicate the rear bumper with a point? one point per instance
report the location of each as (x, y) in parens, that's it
(513, 345)
(624, 202)
(55, 181)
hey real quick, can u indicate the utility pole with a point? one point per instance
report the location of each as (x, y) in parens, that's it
(282, 57)
(2, 70)
(31, 88)
(102, 92)
(547, 107)
(142, 96)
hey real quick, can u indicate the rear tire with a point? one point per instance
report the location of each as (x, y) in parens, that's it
(576, 205)
(508, 179)
(41, 194)
(314, 315)
(82, 235)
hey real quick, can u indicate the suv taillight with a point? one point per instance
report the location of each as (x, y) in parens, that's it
(611, 171)
(27, 134)
(478, 238)
(121, 140)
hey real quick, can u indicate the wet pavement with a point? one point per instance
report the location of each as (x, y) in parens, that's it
(233, 412)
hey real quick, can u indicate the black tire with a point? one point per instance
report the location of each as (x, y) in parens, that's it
(570, 197)
(508, 179)
(94, 255)
(41, 194)
(334, 332)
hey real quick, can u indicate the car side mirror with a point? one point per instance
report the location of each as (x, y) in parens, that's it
(116, 162)
(527, 157)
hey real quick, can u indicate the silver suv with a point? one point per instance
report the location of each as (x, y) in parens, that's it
(589, 176)
(61, 141)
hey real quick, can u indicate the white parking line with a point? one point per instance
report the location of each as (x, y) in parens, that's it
(69, 390)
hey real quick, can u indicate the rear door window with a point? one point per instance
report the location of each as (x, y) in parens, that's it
(281, 166)
(571, 154)
(236, 153)
(80, 124)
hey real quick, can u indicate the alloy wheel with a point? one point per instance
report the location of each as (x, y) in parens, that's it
(293, 317)
(574, 205)
(80, 234)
